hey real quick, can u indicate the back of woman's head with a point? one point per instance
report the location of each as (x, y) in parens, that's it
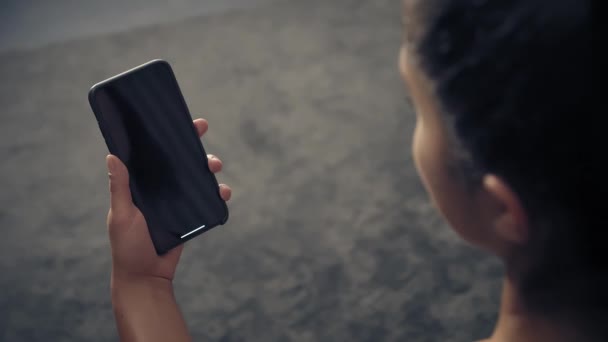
(513, 79)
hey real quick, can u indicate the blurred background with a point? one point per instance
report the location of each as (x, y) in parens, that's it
(331, 236)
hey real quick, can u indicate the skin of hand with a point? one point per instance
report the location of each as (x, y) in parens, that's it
(141, 283)
(133, 253)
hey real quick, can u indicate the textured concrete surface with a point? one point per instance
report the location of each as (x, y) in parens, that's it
(331, 236)
(35, 23)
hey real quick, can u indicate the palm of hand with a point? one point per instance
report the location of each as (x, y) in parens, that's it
(133, 252)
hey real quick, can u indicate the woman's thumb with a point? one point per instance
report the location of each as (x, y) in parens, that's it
(121, 203)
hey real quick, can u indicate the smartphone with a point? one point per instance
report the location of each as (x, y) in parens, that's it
(145, 122)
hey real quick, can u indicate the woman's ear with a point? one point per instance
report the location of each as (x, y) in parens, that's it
(508, 221)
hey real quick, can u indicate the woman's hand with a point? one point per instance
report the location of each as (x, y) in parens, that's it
(133, 255)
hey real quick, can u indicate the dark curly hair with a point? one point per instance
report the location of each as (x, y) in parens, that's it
(513, 79)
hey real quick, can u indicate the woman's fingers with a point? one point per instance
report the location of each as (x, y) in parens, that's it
(215, 164)
(201, 126)
(225, 192)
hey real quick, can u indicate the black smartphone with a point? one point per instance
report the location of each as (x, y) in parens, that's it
(145, 122)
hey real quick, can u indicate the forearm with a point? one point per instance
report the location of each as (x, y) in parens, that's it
(146, 310)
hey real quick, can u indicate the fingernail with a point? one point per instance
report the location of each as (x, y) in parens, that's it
(110, 163)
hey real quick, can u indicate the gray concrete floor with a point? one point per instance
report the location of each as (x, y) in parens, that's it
(35, 23)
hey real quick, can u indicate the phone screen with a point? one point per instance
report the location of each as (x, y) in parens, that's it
(146, 123)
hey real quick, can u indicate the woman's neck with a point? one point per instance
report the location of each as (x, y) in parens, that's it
(515, 323)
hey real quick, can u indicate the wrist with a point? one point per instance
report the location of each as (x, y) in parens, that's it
(125, 282)
(145, 308)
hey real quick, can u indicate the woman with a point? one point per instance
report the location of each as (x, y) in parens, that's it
(504, 146)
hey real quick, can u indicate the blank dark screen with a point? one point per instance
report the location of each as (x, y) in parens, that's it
(147, 125)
